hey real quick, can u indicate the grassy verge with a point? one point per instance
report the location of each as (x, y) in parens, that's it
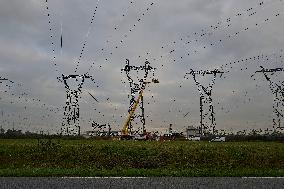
(128, 158)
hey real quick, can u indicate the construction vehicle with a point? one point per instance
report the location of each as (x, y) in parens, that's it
(124, 132)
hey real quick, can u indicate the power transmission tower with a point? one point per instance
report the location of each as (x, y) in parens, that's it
(135, 88)
(278, 90)
(207, 118)
(71, 122)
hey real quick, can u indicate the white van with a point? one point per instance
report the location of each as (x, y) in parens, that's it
(218, 139)
(140, 137)
(194, 138)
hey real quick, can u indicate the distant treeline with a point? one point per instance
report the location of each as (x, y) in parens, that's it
(275, 136)
(18, 134)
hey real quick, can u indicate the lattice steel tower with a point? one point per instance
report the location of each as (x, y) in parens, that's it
(207, 117)
(278, 90)
(135, 88)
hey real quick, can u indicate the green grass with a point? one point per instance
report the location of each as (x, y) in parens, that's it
(28, 157)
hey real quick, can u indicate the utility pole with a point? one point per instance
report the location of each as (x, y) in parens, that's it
(109, 129)
(201, 115)
(101, 128)
(171, 129)
(2, 123)
(205, 98)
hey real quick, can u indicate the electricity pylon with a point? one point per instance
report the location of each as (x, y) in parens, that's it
(278, 90)
(207, 118)
(135, 88)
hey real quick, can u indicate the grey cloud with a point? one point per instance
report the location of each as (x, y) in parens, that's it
(26, 53)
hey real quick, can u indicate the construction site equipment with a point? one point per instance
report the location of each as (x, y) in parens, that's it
(171, 136)
(124, 132)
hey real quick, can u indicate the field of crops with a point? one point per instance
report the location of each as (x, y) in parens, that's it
(31, 157)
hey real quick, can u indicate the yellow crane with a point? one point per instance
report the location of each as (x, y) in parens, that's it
(124, 131)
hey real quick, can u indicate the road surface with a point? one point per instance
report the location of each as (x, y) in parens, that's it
(147, 183)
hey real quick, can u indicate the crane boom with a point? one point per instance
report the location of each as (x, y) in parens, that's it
(124, 131)
(125, 126)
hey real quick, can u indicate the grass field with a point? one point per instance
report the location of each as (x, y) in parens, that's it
(30, 157)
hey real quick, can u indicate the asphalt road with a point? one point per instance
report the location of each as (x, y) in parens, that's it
(149, 183)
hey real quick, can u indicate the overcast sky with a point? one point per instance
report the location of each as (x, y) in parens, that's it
(174, 36)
